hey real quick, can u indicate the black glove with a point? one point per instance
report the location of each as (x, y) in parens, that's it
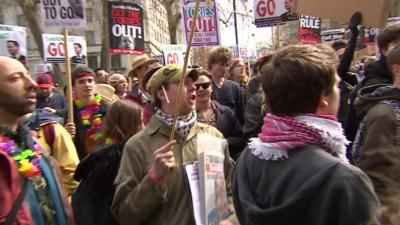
(355, 20)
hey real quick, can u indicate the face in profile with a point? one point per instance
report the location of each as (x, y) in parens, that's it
(17, 88)
(127, 42)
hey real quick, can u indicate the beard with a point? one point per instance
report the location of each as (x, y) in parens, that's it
(16, 105)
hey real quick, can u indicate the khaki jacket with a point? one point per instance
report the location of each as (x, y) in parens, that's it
(138, 201)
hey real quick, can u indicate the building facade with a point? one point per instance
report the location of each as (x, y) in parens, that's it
(155, 24)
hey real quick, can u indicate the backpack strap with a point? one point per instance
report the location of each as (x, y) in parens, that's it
(17, 204)
(49, 135)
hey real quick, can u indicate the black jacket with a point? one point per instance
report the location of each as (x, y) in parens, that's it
(228, 124)
(375, 73)
(311, 187)
(229, 95)
(93, 198)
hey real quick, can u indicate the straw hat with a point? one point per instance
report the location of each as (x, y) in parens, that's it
(107, 93)
(139, 61)
(150, 71)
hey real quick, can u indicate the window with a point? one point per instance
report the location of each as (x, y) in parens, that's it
(116, 61)
(92, 61)
(90, 37)
(89, 15)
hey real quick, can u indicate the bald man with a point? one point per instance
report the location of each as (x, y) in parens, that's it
(24, 167)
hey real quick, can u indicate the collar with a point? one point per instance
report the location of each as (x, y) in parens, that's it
(156, 125)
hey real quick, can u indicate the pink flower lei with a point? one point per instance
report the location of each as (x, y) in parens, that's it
(91, 117)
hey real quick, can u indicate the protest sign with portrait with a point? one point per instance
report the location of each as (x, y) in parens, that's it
(126, 29)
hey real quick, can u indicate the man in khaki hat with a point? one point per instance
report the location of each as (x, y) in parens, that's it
(151, 186)
(139, 69)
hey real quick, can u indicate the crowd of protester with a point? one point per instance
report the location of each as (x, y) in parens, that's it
(311, 139)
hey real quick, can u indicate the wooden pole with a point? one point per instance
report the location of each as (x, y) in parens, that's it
(67, 64)
(189, 44)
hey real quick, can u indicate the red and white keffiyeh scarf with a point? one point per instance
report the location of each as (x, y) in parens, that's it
(279, 134)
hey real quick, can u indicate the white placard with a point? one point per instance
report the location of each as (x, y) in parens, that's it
(63, 13)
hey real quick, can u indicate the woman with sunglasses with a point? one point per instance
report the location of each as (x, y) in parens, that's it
(221, 117)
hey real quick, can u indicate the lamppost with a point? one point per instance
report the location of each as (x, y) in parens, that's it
(235, 24)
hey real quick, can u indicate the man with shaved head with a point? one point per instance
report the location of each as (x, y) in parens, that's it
(24, 167)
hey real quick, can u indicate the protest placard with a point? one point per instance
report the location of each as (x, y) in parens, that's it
(13, 42)
(272, 12)
(375, 12)
(310, 30)
(174, 54)
(126, 29)
(63, 13)
(332, 35)
(206, 32)
(53, 48)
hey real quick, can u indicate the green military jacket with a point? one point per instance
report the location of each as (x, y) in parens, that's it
(138, 201)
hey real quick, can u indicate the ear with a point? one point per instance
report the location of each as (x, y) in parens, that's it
(322, 105)
(160, 94)
(395, 68)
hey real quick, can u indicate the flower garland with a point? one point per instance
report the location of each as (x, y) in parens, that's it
(27, 160)
(91, 117)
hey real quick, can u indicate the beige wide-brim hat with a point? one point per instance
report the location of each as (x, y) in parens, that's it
(153, 67)
(139, 61)
(107, 93)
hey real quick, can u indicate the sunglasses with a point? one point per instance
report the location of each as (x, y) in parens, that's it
(203, 85)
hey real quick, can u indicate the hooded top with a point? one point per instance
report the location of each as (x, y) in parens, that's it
(310, 188)
(372, 95)
(377, 73)
(377, 144)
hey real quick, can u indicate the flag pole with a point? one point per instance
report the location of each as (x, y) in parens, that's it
(189, 44)
(67, 65)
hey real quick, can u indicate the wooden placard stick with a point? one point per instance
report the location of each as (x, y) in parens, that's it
(185, 63)
(67, 64)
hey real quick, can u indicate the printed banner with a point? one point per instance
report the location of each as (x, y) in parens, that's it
(310, 30)
(206, 33)
(53, 48)
(63, 13)
(272, 12)
(234, 50)
(332, 35)
(370, 34)
(126, 28)
(174, 54)
(13, 42)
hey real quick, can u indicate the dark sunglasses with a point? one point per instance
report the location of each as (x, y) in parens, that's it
(203, 85)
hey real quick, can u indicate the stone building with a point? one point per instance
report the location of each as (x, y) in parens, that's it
(155, 23)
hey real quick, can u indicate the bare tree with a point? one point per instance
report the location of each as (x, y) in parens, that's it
(30, 10)
(105, 61)
(173, 18)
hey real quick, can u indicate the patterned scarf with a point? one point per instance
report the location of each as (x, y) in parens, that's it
(280, 134)
(183, 123)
